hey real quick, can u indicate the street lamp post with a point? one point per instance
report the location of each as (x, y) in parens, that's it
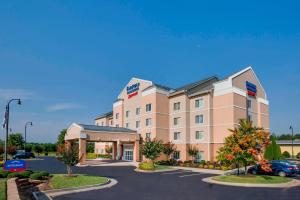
(7, 124)
(25, 136)
(291, 128)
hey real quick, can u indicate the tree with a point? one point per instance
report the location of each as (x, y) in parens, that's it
(28, 147)
(108, 149)
(90, 147)
(38, 149)
(61, 137)
(169, 149)
(273, 151)
(244, 146)
(70, 158)
(192, 151)
(151, 149)
(16, 139)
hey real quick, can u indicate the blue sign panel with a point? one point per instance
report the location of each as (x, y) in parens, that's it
(15, 165)
(251, 89)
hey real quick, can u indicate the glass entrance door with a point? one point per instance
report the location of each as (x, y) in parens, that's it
(128, 154)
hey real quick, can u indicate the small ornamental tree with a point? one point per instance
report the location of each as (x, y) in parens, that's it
(244, 146)
(169, 149)
(70, 158)
(108, 150)
(151, 149)
(192, 151)
(273, 151)
(286, 154)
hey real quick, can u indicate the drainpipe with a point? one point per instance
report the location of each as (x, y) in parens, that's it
(209, 126)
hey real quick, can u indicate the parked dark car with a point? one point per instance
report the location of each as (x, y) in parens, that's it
(23, 155)
(297, 165)
(278, 169)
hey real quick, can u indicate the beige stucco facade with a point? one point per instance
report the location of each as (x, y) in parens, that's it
(197, 114)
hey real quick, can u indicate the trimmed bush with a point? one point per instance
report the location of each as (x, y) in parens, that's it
(201, 166)
(273, 151)
(205, 167)
(43, 173)
(218, 167)
(298, 155)
(146, 166)
(13, 175)
(202, 162)
(210, 166)
(286, 154)
(108, 156)
(91, 156)
(224, 168)
(36, 176)
(25, 174)
(1, 163)
(3, 174)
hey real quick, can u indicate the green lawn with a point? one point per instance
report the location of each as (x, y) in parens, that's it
(2, 188)
(162, 167)
(252, 179)
(59, 181)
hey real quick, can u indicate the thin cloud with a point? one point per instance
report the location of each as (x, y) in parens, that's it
(62, 106)
(7, 94)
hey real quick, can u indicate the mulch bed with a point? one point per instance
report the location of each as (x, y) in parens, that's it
(26, 187)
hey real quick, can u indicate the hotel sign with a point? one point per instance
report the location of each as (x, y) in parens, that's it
(133, 90)
(251, 89)
(15, 165)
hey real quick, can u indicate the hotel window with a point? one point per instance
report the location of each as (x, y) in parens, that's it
(148, 107)
(199, 156)
(148, 122)
(148, 135)
(176, 120)
(249, 105)
(199, 119)
(137, 124)
(127, 125)
(117, 125)
(199, 103)
(199, 135)
(102, 123)
(176, 155)
(176, 135)
(117, 115)
(138, 111)
(127, 113)
(176, 106)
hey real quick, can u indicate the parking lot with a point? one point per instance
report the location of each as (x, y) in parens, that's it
(181, 184)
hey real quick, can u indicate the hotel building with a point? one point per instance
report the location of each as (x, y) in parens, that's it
(197, 114)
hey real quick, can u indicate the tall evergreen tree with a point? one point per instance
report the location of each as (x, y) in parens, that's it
(273, 151)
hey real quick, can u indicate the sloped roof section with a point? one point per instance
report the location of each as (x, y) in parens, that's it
(196, 87)
(105, 128)
(108, 114)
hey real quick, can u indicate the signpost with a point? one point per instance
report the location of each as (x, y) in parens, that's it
(15, 165)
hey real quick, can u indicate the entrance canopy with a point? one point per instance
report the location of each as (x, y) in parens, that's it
(92, 133)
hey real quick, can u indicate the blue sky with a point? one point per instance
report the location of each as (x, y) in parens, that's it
(68, 60)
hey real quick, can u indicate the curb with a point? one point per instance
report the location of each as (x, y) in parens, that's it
(201, 170)
(292, 183)
(58, 192)
(153, 171)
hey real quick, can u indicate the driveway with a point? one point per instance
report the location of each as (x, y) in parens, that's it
(176, 185)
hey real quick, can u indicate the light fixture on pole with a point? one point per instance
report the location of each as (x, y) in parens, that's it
(25, 136)
(6, 124)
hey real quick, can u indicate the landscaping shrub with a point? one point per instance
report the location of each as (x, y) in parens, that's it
(218, 167)
(91, 156)
(205, 167)
(13, 175)
(25, 174)
(201, 166)
(202, 162)
(224, 168)
(108, 156)
(36, 176)
(210, 167)
(298, 155)
(3, 174)
(146, 166)
(286, 154)
(1, 163)
(179, 163)
(43, 173)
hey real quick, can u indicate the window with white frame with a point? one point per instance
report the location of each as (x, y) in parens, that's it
(148, 107)
(148, 135)
(199, 119)
(127, 113)
(117, 115)
(138, 124)
(176, 155)
(176, 135)
(127, 125)
(249, 103)
(199, 156)
(199, 135)
(199, 103)
(176, 106)
(138, 111)
(176, 121)
(148, 122)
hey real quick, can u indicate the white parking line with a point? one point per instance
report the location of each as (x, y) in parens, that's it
(176, 172)
(189, 175)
